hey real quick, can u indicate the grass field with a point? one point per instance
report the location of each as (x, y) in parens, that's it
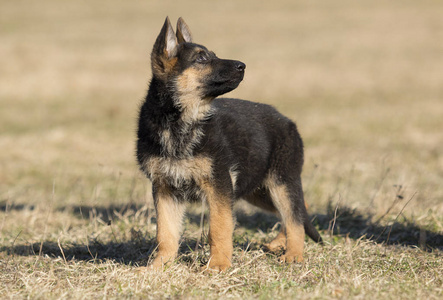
(362, 79)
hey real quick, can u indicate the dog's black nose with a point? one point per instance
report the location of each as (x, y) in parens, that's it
(240, 66)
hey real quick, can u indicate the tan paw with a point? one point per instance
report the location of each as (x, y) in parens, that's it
(274, 247)
(141, 270)
(161, 261)
(291, 258)
(152, 267)
(218, 265)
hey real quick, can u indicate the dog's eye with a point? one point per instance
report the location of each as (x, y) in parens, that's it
(201, 58)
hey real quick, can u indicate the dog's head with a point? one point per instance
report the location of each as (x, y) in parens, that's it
(190, 69)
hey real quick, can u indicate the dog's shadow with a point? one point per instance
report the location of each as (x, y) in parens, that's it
(120, 252)
(139, 249)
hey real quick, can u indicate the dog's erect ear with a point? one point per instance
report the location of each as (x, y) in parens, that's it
(183, 33)
(166, 43)
(165, 49)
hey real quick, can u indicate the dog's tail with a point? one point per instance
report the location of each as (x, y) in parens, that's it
(311, 231)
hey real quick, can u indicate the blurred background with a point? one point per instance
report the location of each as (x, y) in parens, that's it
(362, 80)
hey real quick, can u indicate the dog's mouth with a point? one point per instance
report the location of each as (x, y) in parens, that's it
(229, 78)
(220, 87)
(226, 75)
(234, 80)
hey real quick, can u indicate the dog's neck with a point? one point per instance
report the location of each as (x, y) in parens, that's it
(178, 118)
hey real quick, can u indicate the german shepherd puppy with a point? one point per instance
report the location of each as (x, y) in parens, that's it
(194, 146)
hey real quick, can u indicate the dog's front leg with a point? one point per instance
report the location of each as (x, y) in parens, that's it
(169, 224)
(221, 227)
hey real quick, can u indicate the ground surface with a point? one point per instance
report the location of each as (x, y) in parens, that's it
(361, 79)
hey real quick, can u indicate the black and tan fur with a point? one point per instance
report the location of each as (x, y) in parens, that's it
(195, 146)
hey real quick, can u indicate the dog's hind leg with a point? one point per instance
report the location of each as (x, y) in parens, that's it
(279, 242)
(262, 198)
(169, 224)
(287, 199)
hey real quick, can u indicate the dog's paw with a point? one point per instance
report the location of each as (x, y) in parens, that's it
(159, 263)
(141, 270)
(219, 268)
(149, 268)
(291, 258)
(217, 265)
(275, 246)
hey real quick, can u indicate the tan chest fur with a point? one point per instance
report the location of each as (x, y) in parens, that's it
(177, 172)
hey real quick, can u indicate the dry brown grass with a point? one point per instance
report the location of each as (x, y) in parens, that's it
(361, 79)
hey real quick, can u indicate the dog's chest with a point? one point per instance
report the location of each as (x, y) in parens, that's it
(178, 172)
(180, 142)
